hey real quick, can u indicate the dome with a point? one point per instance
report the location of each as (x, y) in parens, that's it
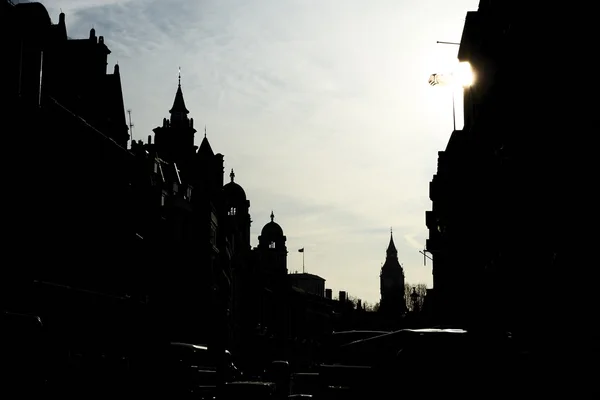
(233, 191)
(34, 14)
(271, 229)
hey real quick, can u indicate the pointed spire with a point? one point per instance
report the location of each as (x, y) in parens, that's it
(205, 150)
(272, 216)
(232, 175)
(179, 103)
(391, 250)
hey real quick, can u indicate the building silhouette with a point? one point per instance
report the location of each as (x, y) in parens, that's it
(76, 257)
(392, 304)
(309, 283)
(47, 135)
(141, 245)
(506, 187)
(190, 233)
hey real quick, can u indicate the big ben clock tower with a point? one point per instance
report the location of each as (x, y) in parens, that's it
(392, 283)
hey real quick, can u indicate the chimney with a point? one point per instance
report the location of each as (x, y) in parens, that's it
(342, 296)
(328, 294)
(359, 304)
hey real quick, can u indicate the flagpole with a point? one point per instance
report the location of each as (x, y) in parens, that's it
(303, 260)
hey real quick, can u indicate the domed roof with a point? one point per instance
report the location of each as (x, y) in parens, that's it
(34, 13)
(271, 229)
(233, 191)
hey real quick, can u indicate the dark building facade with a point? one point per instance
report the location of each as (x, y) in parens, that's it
(502, 225)
(65, 154)
(76, 259)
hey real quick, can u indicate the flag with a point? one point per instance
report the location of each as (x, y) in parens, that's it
(301, 250)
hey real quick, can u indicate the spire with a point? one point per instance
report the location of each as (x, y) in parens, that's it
(272, 216)
(391, 250)
(232, 175)
(179, 103)
(205, 150)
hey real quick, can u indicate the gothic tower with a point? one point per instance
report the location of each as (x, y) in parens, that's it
(174, 140)
(392, 283)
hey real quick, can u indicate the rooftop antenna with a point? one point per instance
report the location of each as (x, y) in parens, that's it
(130, 126)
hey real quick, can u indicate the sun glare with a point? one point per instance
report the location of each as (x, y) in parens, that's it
(456, 75)
(463, 74)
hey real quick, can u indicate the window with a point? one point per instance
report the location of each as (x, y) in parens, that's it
(272, 245)
(162, 199)
(231, 211)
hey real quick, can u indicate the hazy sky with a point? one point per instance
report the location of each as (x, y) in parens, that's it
(322, 108)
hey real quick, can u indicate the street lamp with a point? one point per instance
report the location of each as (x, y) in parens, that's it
(461, 76)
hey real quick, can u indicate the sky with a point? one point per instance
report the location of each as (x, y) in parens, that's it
(321, 107)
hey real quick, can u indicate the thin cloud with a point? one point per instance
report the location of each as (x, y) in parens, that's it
(411, 239)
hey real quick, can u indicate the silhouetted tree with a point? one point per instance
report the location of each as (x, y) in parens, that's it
(353, 300)
(420, 289)
(370, 307)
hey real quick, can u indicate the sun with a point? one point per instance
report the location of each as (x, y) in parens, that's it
(463, 74)
(457, 74)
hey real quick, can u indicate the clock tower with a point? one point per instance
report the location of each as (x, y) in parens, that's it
(392, 283)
